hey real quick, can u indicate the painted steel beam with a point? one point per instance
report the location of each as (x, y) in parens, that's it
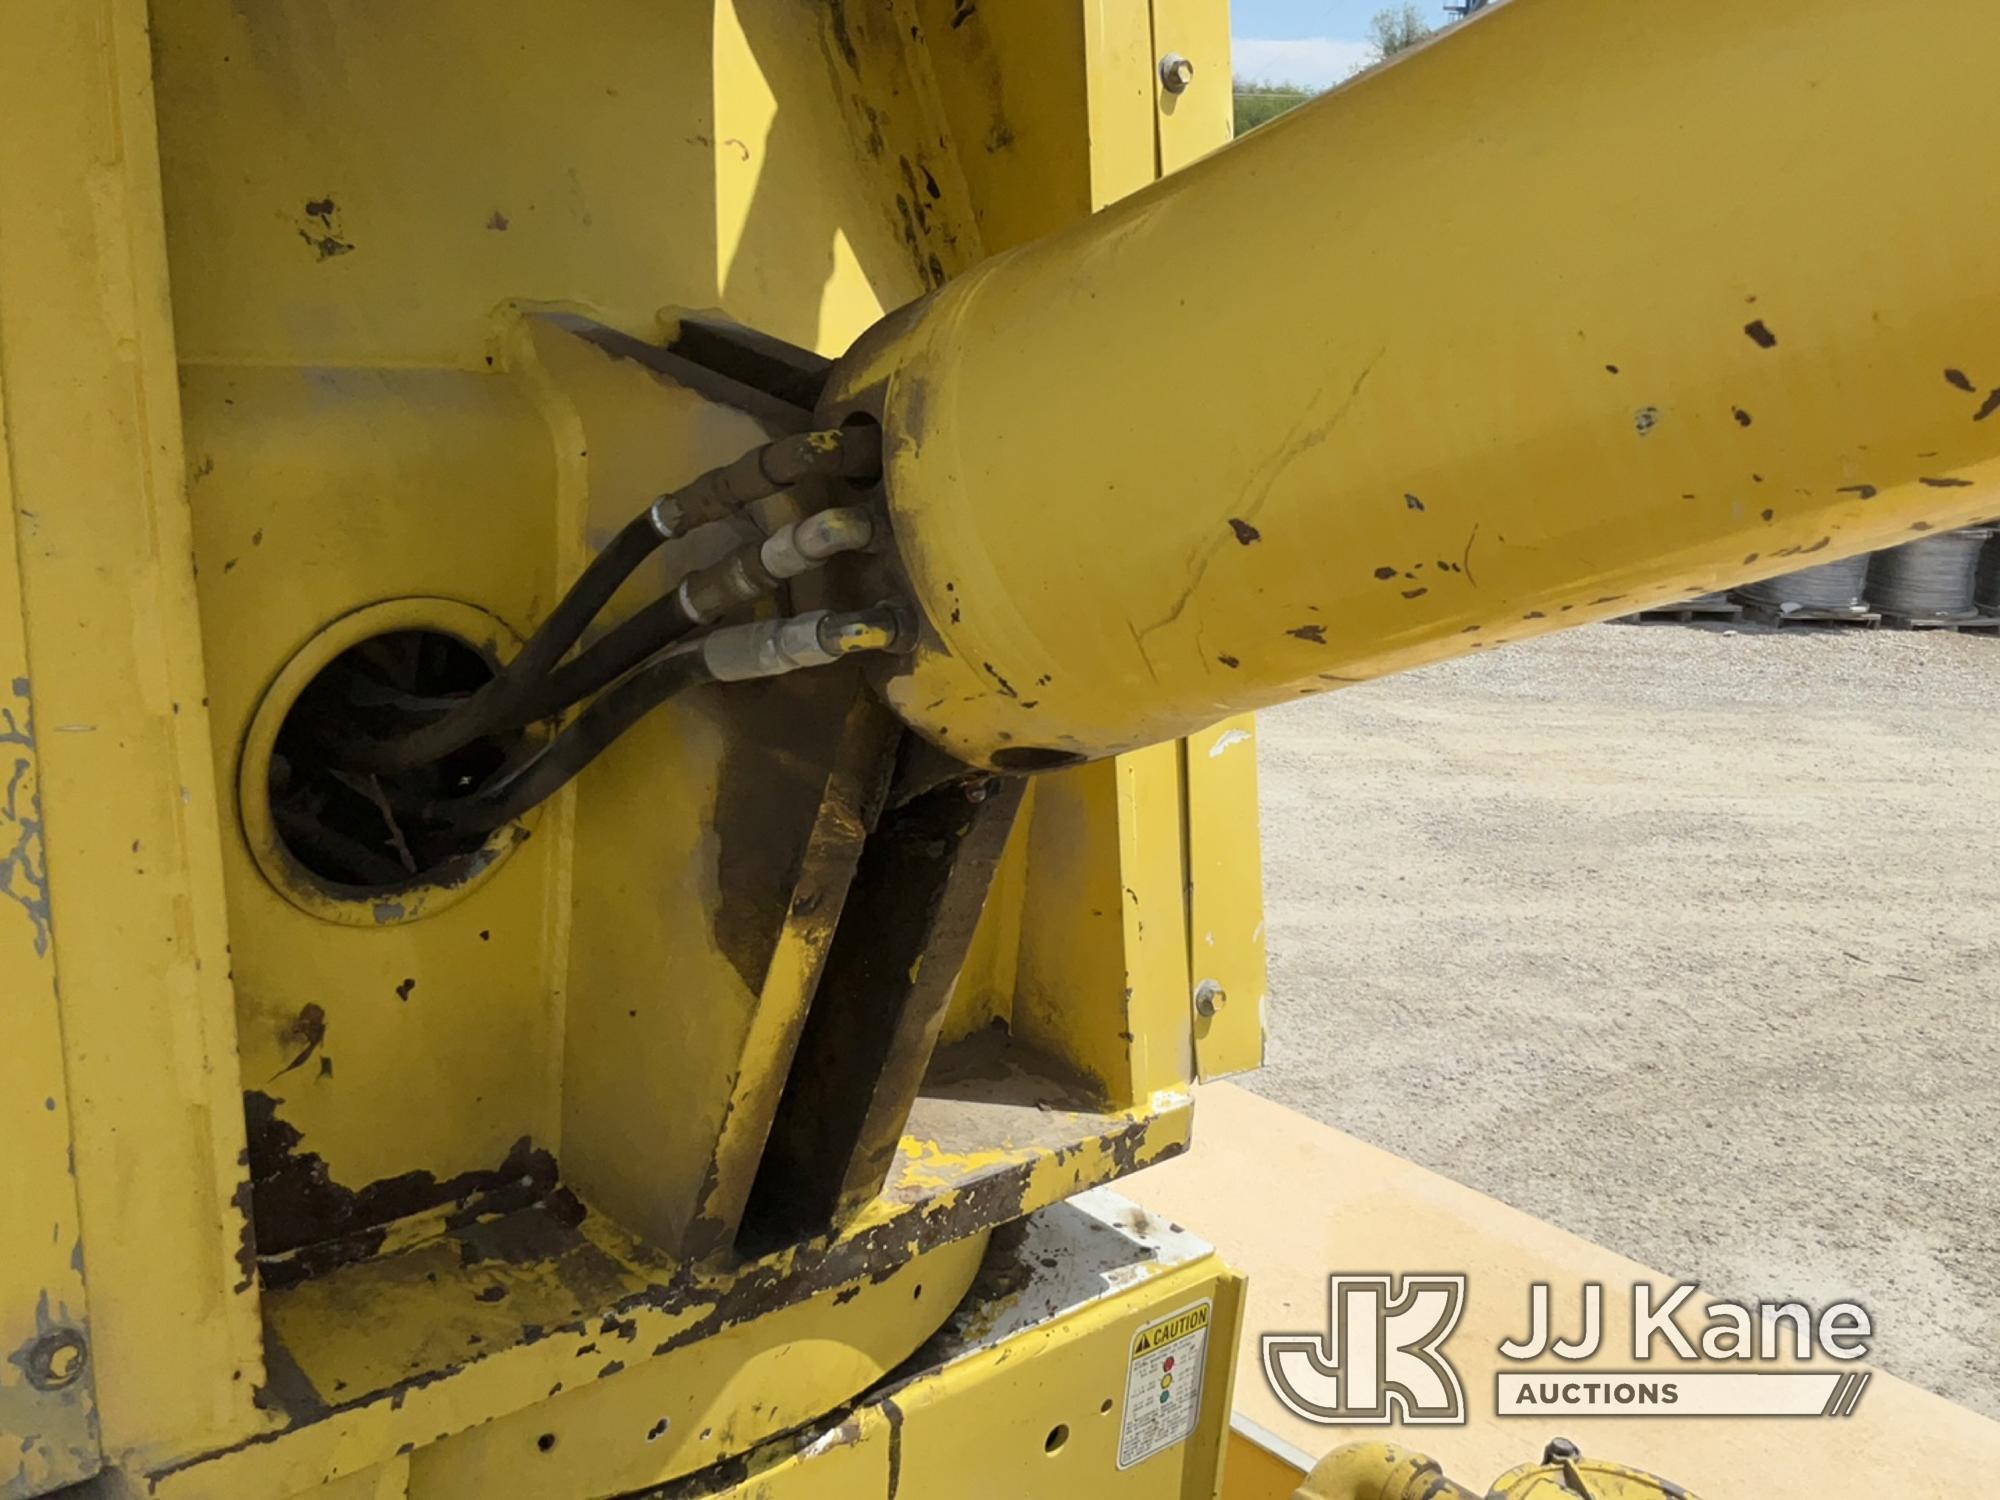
(1578, 309)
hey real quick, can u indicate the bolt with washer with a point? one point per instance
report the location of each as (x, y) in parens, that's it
(1209, 997)
(1176, 73)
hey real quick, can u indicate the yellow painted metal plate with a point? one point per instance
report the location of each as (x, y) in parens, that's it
(1260, 1465)
(485, 1315)
(1032, 1391)
(1226, 961)
(48, 1406)
(130, 822)
(389, 1045)
(1200, 117)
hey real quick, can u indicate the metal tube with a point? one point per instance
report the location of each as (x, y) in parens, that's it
(1252, 433)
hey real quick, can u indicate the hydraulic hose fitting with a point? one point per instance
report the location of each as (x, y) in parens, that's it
(710, 592)
(805, 544)
(885, 627)
(771, 648)
(754, 570)
(853, 452)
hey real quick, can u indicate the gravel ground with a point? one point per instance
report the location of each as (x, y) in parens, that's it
(1678, 938)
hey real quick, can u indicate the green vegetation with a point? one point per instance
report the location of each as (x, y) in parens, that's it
(1389, 32)
(1396, 29)
(1257, 102)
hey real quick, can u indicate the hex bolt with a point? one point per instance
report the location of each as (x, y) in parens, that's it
(56, 1359)
(1561, 1451)
(1176, 73)
(1209, 997)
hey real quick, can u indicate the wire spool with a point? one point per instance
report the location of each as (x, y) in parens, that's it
(1931, 579)
(1986, 587)
(1835, 586)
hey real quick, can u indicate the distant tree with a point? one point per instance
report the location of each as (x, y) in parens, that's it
(1257, 101)
(1396, 29)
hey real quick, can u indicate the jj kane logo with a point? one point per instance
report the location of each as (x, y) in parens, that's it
(1382, 1357)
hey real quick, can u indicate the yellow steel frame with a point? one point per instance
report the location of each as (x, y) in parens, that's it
(365, 406)
(131, 920)
(1037, 1413)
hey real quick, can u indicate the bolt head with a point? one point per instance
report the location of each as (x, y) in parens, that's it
(1176, 73)
(1561, 1450)
(1209, 997)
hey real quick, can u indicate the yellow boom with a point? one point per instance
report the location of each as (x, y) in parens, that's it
(1579, 309)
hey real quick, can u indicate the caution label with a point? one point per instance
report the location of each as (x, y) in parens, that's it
(1163, 1384)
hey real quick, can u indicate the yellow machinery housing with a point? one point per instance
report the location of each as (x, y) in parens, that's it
(737, 1120)
(322, 326)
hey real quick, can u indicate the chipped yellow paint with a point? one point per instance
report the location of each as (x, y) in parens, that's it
(599, 1383)
(1096, 1154)
(1408, 462)
(131, 823)
(360, 413)
(1037, 1415)
(711, 1399)
(481, 631)
(48, 1437)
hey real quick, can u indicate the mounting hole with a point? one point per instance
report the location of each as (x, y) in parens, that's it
(369, 832)
(1034, 758)
(546, 1441)
(1105, 1409)
(358, 848)
(1058, 1435)
(56, 1359)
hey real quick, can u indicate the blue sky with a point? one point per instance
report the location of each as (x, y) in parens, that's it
(1314, 42)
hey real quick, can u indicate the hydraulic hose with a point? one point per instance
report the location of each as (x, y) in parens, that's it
(595, 729)
(645, 634)
(851, 452)
(703, 596)
(764, 648)
(493, 705)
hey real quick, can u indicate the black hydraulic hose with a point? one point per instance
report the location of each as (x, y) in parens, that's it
(499, 701)
(702, 596)
(645, 634)
(615, 711)
(853, 452)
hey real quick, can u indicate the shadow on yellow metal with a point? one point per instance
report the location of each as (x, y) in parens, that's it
(500, 1122)
(1260, 1465)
